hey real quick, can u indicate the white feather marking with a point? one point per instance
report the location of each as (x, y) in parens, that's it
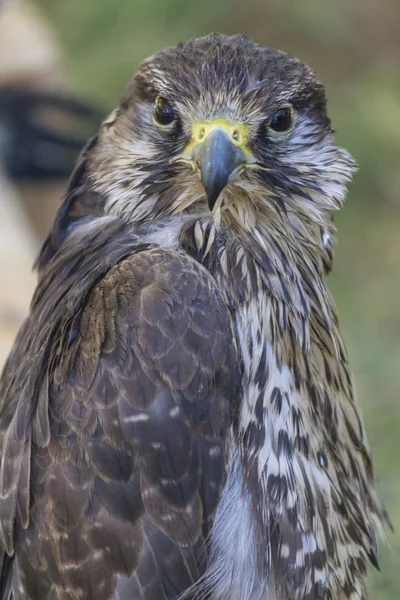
(233, 572)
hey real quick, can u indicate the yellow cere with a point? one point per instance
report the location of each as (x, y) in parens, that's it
(237, 132)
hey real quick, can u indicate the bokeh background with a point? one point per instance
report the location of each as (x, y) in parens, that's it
(354, 45)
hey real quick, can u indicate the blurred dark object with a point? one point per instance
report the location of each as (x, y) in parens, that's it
(42, 125)
(42, 133)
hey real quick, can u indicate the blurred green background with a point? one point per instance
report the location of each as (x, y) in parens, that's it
(354, 45)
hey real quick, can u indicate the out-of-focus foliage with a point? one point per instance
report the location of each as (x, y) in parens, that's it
(354, 45)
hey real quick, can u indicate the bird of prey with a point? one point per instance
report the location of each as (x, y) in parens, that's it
(178, 417)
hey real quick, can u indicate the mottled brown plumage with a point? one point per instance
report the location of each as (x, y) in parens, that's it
(177, 414)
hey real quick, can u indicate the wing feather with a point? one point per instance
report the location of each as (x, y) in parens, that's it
(128, 391)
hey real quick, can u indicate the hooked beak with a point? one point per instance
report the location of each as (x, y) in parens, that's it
(218, 157)
(217, 148)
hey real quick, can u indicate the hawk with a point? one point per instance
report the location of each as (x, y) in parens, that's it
(178, 418)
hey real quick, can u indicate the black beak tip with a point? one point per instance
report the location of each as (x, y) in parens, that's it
(213, 191)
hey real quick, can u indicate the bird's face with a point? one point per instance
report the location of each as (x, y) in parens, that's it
(222, 124)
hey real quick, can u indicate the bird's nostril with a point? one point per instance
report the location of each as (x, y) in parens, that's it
(201, 133)
(236, 135)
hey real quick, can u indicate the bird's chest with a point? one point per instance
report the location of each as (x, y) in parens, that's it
(276, 447)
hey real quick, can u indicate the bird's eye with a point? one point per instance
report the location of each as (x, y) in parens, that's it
(163, 111)
(282, 120)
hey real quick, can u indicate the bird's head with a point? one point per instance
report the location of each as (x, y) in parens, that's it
(222, 124)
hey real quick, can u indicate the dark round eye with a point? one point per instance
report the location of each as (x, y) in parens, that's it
(163, 111)
(282, 120)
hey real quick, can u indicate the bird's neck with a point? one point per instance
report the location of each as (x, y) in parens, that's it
(277, 278)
